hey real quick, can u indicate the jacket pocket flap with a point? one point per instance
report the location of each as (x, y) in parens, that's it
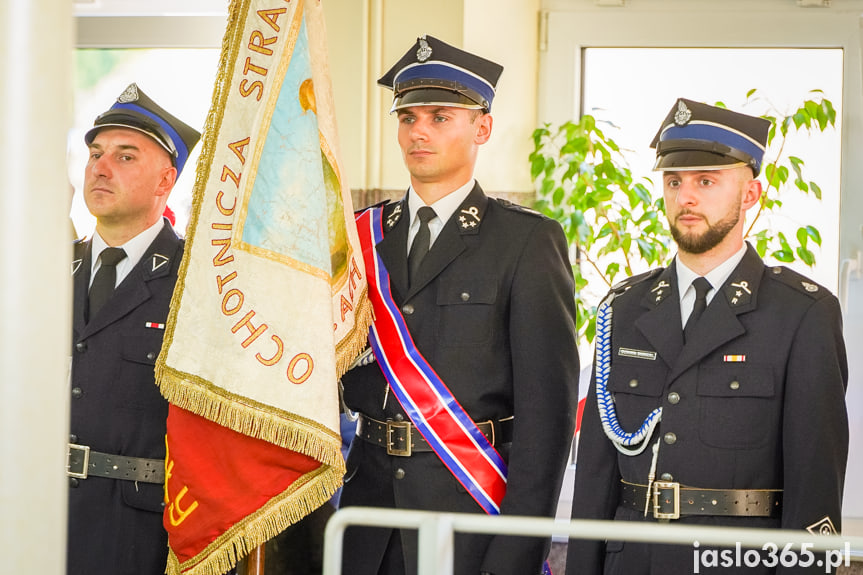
(735, 382)
(477, 290)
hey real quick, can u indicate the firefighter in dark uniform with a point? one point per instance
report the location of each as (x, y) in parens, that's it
(490, 307)
(717, 402)
(123, 279)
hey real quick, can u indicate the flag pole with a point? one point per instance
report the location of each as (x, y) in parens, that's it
(255, 561)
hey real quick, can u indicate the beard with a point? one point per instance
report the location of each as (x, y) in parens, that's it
(695, 243)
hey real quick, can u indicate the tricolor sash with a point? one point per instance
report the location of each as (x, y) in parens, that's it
(429, 404)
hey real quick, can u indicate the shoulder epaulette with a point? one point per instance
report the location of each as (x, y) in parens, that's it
(627, 283)
(361, 210)
(517, 207)
(797, 281)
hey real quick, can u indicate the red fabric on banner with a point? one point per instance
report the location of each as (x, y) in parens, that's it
(217, 477)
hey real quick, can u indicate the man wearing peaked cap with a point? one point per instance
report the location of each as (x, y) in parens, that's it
(483, 290)
(737, 417)
(123, 277)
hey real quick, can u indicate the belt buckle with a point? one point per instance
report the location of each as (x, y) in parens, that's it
(392, 426)
(86, 463)
(664, 486)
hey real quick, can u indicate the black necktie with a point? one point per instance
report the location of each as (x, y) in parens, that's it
(106, 276)
(702, 286)
(420, 246)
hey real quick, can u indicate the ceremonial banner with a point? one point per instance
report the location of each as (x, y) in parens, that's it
(271, 304)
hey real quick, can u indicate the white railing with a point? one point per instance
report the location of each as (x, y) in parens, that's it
(436, 536)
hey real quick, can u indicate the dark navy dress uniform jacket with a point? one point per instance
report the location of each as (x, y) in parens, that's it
(115, 526)
(775, 419)
(492, 310)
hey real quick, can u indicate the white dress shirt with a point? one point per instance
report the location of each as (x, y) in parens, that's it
(716, 277)
(444, 208)
(134, 248)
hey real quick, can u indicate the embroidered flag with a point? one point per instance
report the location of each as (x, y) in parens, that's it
(271, 302)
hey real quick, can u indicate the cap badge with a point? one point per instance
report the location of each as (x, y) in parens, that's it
(683, 114)
(130, 94)
(424, 52)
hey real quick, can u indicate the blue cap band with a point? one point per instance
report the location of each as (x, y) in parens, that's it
(710, 133)
(443, 71)
(179, 144)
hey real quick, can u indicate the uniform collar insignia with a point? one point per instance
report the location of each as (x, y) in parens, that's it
(468, 217)
(660, 290)
(394, 216)
(76, 265)
(738, 293)
(823, 527)
(158, 261)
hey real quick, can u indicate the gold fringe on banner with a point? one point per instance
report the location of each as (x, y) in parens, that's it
(304, 496)
(350, 347)
(246, 416)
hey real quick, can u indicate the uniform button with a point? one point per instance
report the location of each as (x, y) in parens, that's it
(673, 398)
(73, 482)
(465, 296)
(151, 355)
(734, 385)
(73, 438)
(400, 473)
(669, 438)
(666, 477)
(399, 417)
(407, 309)
(81, 346)
(77, 393)
(633, 383)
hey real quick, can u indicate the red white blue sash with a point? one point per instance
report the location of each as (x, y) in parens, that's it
(425, 398)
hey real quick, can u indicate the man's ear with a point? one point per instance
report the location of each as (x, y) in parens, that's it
(483, 128)
(166, 181)
(751, 193)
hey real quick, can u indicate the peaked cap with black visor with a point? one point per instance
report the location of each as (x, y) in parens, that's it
(136, 111)
(434, 73)
(698, 136)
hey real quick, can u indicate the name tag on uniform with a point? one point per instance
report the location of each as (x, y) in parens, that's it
(636, 353)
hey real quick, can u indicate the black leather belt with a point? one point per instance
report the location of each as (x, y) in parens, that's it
(668, 500)
(402, 438)
(82, 462)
